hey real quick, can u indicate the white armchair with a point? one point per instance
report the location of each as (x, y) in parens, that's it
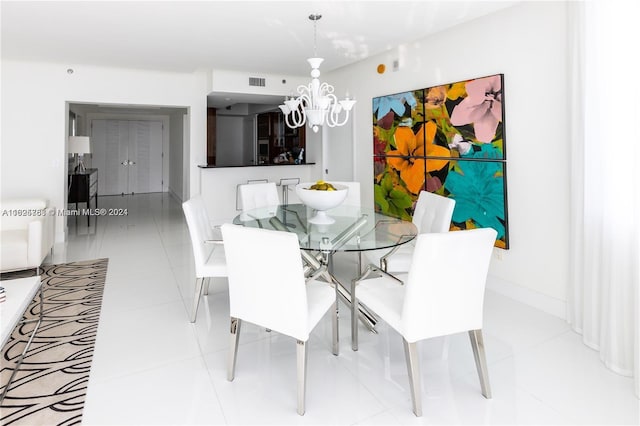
(27, 228)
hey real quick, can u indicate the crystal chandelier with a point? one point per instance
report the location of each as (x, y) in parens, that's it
(316, 105)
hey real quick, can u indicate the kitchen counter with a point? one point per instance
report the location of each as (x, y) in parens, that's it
(256, 165)
(219, 184)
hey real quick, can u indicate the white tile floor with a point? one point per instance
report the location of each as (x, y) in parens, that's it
(152, 366)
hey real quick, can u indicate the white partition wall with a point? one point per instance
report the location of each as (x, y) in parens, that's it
(46, 89)
(219, 185)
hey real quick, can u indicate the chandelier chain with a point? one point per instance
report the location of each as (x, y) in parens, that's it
(315, 17)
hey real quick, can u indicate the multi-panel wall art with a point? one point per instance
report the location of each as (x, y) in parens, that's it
(449, 140)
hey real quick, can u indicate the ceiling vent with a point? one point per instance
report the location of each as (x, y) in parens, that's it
(256, 81)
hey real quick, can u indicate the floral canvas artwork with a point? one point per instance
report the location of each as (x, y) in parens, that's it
(448, 139)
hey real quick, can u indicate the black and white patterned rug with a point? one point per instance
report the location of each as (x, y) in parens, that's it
(50, 385)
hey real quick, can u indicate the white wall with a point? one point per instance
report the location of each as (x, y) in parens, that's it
(238, 82)
(338, 153)
(528, 44)
(176, 154)
(34, 119)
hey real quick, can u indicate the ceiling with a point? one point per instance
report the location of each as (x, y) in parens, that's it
(272, 37)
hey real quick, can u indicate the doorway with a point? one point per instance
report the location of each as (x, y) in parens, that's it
(91, 120)
(129, 153)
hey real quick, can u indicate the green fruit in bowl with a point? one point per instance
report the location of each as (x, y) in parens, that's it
(322, 186)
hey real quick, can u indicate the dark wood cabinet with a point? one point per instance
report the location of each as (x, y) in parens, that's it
(83, 187)
(211, 136)
(276, 138)
(263, 136)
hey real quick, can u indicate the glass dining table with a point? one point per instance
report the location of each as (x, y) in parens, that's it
(355, 229)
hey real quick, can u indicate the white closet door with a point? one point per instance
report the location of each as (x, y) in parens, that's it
(110, 145)
(99, 151)
(128, 156)
(145, 156)
(117, 157)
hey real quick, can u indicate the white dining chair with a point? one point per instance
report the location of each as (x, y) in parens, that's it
(432, 214)
(285, 184)
(267, 287)
(353, 195)
(256, 195)
(443, 294)
(208, 250)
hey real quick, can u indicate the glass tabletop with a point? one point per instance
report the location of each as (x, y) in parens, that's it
(355, 228)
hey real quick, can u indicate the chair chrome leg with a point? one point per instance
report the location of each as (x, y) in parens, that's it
(354, 316)
(334, 327)
(301, 355)
(355, 308)
(413, 368)
(233, 348)
(196, 299)
(477, 344)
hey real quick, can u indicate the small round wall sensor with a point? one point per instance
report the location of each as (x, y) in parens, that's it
(69, 70)
(381, 68)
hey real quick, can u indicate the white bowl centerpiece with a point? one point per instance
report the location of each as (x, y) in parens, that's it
(321, 196)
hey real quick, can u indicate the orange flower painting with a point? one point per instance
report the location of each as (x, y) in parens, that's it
(408, 158)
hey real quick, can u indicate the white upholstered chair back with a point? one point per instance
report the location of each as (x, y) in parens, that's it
(200, 230)
(433, 212)
(256, 195)
(266, 279)
(445, 288)
(208, 250)
(353, 195)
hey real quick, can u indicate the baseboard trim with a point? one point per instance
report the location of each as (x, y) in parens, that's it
(548, 304)
(174, 195)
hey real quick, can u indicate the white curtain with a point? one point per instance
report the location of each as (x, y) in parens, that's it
(604, 296)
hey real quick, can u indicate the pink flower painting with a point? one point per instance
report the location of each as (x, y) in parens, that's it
(482, 107)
